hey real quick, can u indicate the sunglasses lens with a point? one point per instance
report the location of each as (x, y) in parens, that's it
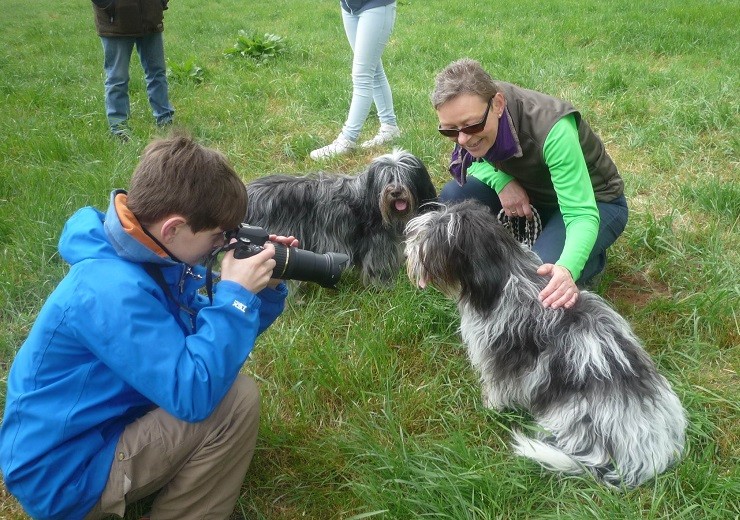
(469, 130)
(474, 129)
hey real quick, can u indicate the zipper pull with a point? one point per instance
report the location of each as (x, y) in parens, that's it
(181, 285)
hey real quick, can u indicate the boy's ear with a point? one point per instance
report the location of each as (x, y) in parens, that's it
(170, 227)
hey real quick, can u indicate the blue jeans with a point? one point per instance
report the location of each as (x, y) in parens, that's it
(549, 245)
(117, 58)
(368, 33)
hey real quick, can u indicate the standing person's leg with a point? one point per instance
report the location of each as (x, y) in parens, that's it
(116, 60)
(196, 468)
(368, 35)
(613, 219)
(382, 94)
(151, 54)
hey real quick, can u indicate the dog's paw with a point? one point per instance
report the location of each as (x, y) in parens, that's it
(492, 402)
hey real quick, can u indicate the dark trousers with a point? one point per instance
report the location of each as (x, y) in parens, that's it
(549, 245)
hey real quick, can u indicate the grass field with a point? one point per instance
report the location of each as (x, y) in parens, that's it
(370, 408)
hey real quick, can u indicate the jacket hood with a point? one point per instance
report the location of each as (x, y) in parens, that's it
(91, 234)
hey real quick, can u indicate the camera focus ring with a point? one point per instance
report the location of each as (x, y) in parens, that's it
(282, 256)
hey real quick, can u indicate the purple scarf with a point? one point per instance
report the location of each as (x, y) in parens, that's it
(505, 147)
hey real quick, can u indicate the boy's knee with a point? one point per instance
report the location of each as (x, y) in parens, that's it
(246, 395)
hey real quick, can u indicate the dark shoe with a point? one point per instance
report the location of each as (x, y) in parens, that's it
(121, 131)
(593, 284)
(595, 281)
(165, 120)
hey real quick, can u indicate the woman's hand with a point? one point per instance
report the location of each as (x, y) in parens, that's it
(561, 291)
(515, 200)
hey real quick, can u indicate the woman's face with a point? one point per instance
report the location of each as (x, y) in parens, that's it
(466, 110)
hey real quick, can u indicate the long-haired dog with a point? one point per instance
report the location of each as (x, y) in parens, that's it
(362, 216)
(581, 372)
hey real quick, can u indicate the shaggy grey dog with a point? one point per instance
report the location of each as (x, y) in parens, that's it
(581, 372)
(362, 216)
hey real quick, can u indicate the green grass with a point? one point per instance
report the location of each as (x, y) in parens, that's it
(370, 407)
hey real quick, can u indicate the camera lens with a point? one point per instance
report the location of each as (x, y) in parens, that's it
(299, 264)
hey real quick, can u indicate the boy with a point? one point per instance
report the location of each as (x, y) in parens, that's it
(128, 383)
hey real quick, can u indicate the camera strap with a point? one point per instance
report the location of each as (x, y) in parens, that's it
(209, 268)
(209, 283)
(156, 273)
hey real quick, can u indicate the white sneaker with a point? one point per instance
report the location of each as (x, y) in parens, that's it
(341, 145)
(386, 134)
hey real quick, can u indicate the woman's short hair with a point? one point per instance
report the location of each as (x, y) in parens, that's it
(176, 175)
(464, 76)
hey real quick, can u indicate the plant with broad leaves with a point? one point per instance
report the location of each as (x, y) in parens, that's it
(188, 71)
(257, 47)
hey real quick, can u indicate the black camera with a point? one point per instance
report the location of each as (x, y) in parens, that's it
(292, 263)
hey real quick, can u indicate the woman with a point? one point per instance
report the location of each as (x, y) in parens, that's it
(368, 25)
(515, 148)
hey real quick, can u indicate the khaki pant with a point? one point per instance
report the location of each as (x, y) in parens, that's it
(197, 468)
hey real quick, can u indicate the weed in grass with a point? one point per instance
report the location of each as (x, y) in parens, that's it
(714, 197)
(187, 71)
(260, 48)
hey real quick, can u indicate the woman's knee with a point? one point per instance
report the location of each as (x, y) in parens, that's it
(614, 216)
(451, 192)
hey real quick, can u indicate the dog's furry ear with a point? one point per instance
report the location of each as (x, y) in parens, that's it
(476, 255)
(373, 185)
(426, 192)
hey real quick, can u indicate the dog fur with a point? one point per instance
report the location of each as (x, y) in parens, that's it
(362, 216)
(581, 372)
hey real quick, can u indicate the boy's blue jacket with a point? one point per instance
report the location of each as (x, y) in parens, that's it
(105, 349)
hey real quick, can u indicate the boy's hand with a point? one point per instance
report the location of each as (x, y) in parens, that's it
(253, 273)
(290, 241)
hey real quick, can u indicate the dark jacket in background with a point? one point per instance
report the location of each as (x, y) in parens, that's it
(129, 17)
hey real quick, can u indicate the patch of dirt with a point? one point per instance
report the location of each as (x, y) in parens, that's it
(635, 290)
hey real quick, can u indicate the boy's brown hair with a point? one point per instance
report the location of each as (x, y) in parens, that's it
(176, 175)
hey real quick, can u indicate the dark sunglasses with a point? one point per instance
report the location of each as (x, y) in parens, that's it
(470, 129)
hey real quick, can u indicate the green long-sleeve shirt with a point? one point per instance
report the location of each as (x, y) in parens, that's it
(564, 158)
